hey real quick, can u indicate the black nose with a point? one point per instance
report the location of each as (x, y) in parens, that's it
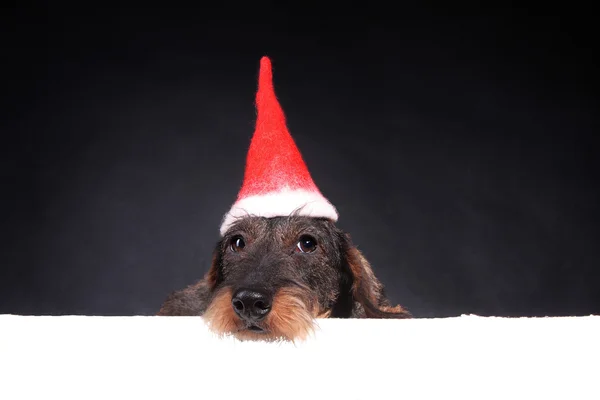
(251, 304)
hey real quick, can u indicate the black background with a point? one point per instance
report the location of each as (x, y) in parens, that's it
(460, 152)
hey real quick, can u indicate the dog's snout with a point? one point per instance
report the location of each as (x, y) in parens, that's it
(251, 305)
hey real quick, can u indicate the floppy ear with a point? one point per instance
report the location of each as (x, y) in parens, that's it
(367, 291)
(194, 299)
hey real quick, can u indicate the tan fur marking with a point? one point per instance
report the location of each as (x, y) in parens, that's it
(367, 288)
(324, 314)
(290, 317)
(211, 276)
(396, 309)
(220, 316)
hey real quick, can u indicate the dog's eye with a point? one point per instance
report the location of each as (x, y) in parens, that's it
(307, 244)
(237, 244)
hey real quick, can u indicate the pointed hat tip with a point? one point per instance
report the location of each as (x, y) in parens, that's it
(265, 79)
(265, 61)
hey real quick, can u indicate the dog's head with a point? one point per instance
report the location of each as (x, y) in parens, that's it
(271, 277)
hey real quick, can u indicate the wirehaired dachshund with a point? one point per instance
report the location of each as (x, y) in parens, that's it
(271, 277)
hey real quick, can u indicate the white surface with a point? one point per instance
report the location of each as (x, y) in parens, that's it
(176, 357)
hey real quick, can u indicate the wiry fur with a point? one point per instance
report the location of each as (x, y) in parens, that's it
(333, 281)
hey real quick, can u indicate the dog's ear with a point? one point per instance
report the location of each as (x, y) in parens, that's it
(367, 290)
(194, 299)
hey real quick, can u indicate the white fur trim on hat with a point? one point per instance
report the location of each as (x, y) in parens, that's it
(280, 204)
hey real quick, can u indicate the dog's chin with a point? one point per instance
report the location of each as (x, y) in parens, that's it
(261, 332)
(256, 329)
(256, 332)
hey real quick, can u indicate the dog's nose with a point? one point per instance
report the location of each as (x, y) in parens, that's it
(251, 304)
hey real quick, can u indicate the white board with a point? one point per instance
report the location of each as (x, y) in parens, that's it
(468, 357)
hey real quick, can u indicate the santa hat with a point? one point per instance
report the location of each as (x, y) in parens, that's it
(276, 180)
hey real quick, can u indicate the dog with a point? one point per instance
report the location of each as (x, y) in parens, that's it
(271, 278)
(281, 261)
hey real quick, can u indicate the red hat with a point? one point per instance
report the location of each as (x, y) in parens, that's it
(276, 181)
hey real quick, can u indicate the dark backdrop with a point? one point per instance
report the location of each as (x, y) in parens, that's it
(460, 152)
